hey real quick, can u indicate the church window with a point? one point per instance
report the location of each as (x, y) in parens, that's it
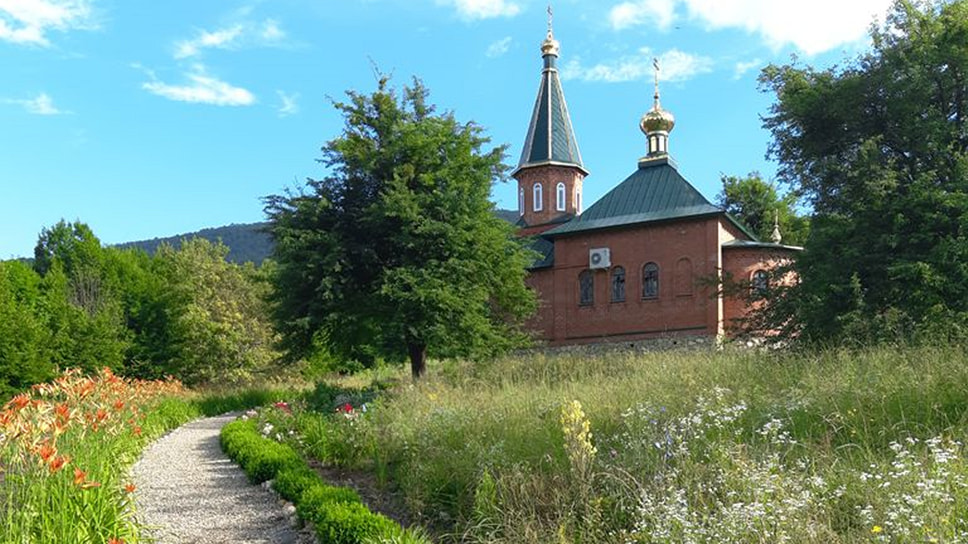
(650, 280)
(586, 288)
(560, 197)
(761, 282)
(618, 284)
(578, 201)
(537, 197)
(521, 201)
(684, 281)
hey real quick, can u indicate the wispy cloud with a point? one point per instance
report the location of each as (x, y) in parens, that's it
(42, 104)
(676, 66)
(288, 104)
(28, 21)
(223, 38)
(627, 14)
(812, 27)
(483, 9)
(743, 67)
(200, 88)
(499, 47)
(235, 36)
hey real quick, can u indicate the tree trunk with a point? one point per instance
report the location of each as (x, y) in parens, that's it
(418, 360)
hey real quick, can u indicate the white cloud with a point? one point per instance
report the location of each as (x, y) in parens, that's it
(27, 21)
(42, 104)
(241, 34)
(224, 38)
(499, 47)
(483, 9)
(675, 66)
(742, 67)
(812, 27)
(628, 14)
(201, 89)
(289, 106)
(271, 31)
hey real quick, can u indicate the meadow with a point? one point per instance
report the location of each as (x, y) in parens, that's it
(735, 446)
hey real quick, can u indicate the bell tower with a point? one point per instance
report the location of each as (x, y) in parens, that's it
(550, 172)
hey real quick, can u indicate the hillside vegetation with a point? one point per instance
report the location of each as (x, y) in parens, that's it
(838, 446)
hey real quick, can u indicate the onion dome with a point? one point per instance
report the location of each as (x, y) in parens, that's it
(657, 123)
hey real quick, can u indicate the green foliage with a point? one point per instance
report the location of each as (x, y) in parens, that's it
(337, 513)
(23, 337)
(880, 149)
(185, 312)
(757, 205)
(260, 458)
(397, 252)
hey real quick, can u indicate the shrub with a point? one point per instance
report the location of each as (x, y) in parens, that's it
(323, 495)
(292, 481)
(347, 522)
(261, 459)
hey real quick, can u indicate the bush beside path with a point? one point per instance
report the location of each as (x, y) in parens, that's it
(189, 491)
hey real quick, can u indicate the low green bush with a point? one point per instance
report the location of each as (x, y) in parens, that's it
(337, 513)
(347, 522)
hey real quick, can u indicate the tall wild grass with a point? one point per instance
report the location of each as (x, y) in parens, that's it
(832, 446)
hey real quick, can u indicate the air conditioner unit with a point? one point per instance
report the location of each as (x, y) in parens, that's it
(599, 257)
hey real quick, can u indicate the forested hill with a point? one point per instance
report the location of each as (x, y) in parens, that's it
(246, 242)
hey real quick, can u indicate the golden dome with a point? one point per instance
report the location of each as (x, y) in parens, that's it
(657, 119)
(550, 45)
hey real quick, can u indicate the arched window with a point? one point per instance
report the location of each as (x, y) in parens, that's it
(618, 284)
(760, 282)
(560, 197)
(521, 201)
(537, 197)
(684, 281)
(650, 280)
(578, 201)
(586, 288)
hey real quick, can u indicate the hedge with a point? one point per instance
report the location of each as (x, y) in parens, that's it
(337, 513)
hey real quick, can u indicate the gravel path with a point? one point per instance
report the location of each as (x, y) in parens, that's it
(190, 492)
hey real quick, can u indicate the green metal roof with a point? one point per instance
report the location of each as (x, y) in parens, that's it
(654, 192)
(550, 139)
(546, 252)
(758, 245)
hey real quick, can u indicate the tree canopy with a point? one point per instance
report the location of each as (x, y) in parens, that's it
(878, 147)
(397, 252)
(757, 204)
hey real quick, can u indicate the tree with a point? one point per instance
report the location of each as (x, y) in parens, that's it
(880, 149)
(24, 341)
(397, 253)
(757, 204)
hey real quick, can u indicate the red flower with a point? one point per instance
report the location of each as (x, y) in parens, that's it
(284, 406)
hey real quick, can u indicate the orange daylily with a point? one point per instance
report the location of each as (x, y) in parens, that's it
(129, 488)
(58, 463)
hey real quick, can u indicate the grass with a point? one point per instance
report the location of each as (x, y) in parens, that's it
(832, 446)
(65, 449)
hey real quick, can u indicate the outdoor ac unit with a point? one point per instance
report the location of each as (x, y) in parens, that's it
(599, 257)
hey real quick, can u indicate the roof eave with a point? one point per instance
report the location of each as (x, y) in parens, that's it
(522, 167)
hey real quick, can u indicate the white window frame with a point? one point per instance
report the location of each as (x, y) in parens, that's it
(521, 201)
(561, 197)
(537, 196)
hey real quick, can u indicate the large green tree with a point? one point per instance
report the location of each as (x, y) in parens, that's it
(757, 204)
(397, 253)
(880, 148)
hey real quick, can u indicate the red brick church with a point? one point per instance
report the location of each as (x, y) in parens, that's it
(642, 262)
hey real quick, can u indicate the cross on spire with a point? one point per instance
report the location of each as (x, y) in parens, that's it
(655, 65)
(550, 20)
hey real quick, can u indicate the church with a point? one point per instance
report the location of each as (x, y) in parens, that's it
(642, 264)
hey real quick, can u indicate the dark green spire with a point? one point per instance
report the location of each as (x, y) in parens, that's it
(551, 139)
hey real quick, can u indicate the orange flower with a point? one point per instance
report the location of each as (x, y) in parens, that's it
(19, 401)
(46, 451)
(101, 414)
(58, 463)
(129, 488)
(80, 478)
(113, 540)
(137, 430)
(119, 405)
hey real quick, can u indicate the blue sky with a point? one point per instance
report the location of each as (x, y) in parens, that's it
(147, 119)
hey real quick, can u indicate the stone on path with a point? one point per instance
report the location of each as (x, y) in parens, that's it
(190, 492)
